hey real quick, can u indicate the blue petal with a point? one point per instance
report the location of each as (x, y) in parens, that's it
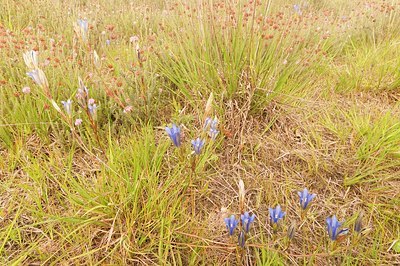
(271, 212)
(252, 217)
(311, 197)
(168, 130)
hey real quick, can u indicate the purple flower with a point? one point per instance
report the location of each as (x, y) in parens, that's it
(92, 109)
(297, 9)
(305, 198)
(197, 145)
(83, 24)
(207, 123)
(83, 28)
(78, 122)
(174, 133)
(231, 224)
(82, 93)
(38, 76)
(211, 125)
(67, 106)
(247, 220)
(276, 214)
(333, 226)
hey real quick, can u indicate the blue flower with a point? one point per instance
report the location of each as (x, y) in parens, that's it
(83, 28)
(207, 123)
(305, 198)
(83, 92)
(297, 9)
(38, 76)
(211, 125)
(197, 145)
(333, 226)
(67, 106)
(83, 24)
(242, 239)
(213, 133)
(247, 220)
(231, 224)
(276, 214)
(92, 109)
(174, 133)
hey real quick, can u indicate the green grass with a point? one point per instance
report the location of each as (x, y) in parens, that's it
(306, 100)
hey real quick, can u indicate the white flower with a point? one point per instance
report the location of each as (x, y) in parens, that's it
(31, 59)
(26, 90)
(78, 122)
(39, 77)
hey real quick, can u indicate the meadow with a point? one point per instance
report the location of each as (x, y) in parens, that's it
(132, 131)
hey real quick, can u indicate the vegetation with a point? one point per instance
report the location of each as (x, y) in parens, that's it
(277, 96)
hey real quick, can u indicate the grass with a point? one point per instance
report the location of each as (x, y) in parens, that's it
(303, 100)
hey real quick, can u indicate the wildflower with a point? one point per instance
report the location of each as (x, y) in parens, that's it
(83, 91)
(358, 224)
(197, 145)
(92, 109)
(297, 9)
(242, 239)
(305, 198)
(83, 24)
(211, 125)
(91, 101)
(82, 28)
(78, 122)
(39, 77)
(214, 123)
(213, 133)
(207, 124)
(276, 214)
(128, 109)
(333, 226)
(31, 59)
(291, 231)
(231, 224)
(67, 106)
(247, 220)
(108, 42)
(174, 133)
(134, 39)
(26, 90)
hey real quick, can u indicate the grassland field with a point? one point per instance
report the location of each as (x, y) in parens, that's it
(261, 99)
